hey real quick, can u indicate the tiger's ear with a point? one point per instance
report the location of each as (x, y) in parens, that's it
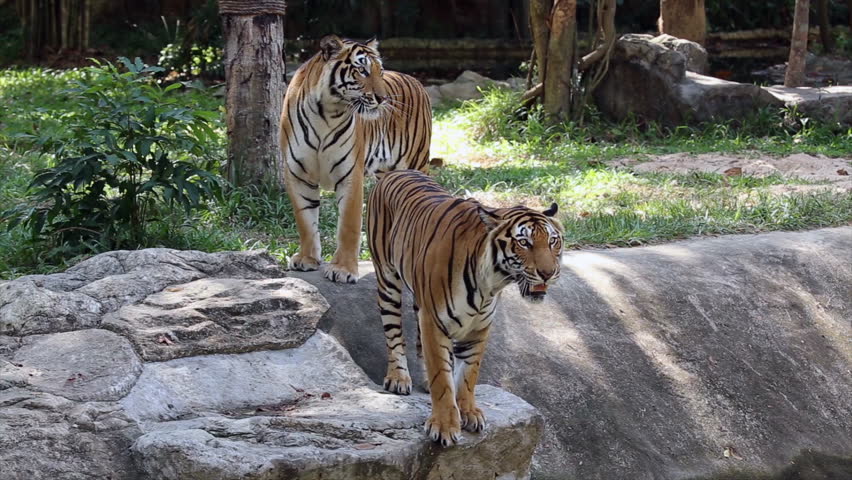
(330, 45)
(489, 219)
(372, 43)
(552, 210)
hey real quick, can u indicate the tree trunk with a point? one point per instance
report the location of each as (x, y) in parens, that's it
(53, 25)
(387, 20)
(795, 75)
(539, 13)
(254, 77)
(560, 60)
(684, 19)
(825, 26)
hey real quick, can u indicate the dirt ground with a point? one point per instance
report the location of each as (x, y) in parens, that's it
(816, 168)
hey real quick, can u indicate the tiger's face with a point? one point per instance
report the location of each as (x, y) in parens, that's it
(527, 248)
(355, 76)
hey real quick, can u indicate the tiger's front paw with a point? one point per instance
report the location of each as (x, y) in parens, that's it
(303, 263)
(473, 419)
(443, 427)
(337, 272)
(399, 382)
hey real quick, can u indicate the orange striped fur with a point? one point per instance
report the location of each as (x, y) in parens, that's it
(455, 256)
(344, 118)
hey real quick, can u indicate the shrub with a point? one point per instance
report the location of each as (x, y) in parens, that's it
(131, 149)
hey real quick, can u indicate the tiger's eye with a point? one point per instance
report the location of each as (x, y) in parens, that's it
(524, 243)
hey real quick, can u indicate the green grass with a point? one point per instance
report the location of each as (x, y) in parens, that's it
(491, 151)
(494, 129)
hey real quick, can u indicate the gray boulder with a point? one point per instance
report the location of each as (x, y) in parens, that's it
(827, 104)
(208, 366)
(25, 308)
(650, 81)
(467, 86)
(220, 315)
(361, 433)
(694, 54)
(218, 383)
(722, 356)
(45, 436)
(78, 298)
(82, 365)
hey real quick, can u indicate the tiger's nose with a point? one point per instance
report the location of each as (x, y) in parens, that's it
(380, 99)
(545, 274)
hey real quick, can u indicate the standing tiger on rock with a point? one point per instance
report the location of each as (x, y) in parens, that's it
(344, 117)
(455, 256)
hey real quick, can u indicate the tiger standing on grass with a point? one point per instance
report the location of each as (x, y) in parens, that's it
(345, 117)
(455, 256)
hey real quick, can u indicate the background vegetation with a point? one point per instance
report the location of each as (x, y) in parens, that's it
(509, 158)
(125, 154)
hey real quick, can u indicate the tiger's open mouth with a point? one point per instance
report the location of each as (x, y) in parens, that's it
(532, 293)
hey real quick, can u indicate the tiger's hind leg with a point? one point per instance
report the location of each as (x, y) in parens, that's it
(398, 379)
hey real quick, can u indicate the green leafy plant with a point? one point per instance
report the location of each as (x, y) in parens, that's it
(130, 152)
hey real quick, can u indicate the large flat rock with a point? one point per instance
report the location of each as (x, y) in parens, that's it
(828, 104)
(78, 297)
(85, 365)
(678, 361)
(211, 383)
(44, 436)
(356, 434)
(220, 315)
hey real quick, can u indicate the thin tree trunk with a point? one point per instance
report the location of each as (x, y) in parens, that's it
(795, 75)
(684, 19)
(386, 12)
(254, 76)
(825, 26)
(53, 25)
(560, 60)
(539, 13)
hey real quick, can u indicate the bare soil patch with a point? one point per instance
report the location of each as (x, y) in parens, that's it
(800, 165)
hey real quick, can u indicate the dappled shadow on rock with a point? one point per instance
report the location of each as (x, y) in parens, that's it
(665, 362)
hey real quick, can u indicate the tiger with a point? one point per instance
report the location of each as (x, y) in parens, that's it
(345, 117)
(455, 256)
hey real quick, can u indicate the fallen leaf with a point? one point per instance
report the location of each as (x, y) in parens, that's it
(174, 289)
(585, 214)
(733, 172)
(842, 171)
(731, 452)
(164, 339)
(325, 396)
(364, 446)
